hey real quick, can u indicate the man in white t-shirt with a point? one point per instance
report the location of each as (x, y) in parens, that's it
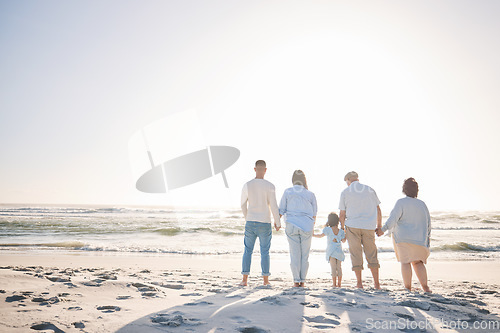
(258, 199)
(361, 215)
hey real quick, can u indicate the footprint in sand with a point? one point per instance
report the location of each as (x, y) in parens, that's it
(123, 297)
(241, 320)
(310, 305)
(75, 308)
(57, 279)
(274, 300)
(175, 319)
(191, 294)
(198, 303)
(108, 308)
(252, 329)
(93, 283)
(106, 276)
(14, 298)
(173, 286)
(78, 324)
(405, 316)
(46, 301)
(322, 320)
(46, 326)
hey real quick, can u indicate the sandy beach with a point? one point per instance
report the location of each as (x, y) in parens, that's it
(82, 292)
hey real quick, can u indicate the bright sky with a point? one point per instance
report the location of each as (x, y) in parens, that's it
(390, 89)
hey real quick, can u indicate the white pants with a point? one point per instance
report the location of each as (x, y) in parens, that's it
(299, 242)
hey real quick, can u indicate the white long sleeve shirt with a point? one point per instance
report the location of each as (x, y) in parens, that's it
(258, 200)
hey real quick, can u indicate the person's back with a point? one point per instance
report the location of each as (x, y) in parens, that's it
(260, 194)
(360, 203)
(299, 207)
(258, 198)
(360, 215)
(300, 204)
(412, 221)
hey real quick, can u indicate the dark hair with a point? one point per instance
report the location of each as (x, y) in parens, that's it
(333, 220)
(299, 178)
(410, 187)
(260, 162)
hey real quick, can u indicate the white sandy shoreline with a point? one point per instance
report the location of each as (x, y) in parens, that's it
(447, 270)
(83, 292)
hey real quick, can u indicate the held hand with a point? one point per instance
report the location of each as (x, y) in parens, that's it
(276, 227)
(379, 232)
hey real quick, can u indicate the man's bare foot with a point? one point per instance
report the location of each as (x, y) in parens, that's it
(296, 285)
(244, 281)
(359, 285)
(302, 284)
(266, 280)
(427, 289)
(377, 286)
(334, 285)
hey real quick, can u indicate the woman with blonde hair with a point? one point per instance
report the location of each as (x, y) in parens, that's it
(299, 206)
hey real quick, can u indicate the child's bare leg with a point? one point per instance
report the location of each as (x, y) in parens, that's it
(339, 273)
(333, 266)
(421, 273)
(244, 282)
(406, 273)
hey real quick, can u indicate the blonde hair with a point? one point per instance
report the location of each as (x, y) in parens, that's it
(299, 178)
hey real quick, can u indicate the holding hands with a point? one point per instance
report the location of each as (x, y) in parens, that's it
(379, 231)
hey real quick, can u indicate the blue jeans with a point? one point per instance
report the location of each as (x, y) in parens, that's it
(265, 232)
(299, 242)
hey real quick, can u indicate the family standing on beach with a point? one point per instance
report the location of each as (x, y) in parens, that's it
(360, 218)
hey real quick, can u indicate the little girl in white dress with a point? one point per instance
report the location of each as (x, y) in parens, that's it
(334, 253)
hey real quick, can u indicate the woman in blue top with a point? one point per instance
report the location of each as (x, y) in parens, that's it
(334, 254)
(299, 206)
(410, 224)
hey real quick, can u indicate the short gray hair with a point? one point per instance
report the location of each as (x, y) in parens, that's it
(351, 175)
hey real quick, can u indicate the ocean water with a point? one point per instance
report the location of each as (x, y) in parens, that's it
(32, 228)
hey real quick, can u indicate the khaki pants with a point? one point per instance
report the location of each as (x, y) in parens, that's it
(362, 240)
(335, 264)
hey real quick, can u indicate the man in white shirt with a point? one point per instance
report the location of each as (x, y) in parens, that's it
(361, 215)
(258, 199)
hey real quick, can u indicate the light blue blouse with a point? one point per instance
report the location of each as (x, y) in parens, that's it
(298, 205)
(334, 249)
